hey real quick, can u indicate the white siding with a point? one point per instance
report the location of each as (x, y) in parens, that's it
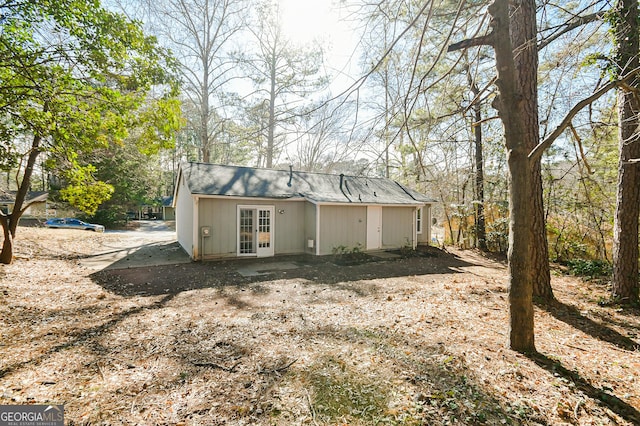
(397, 227)
(342, 226)
(290, 227)
(425, 237)
(221, 216)
(184, 218)
(310, 227)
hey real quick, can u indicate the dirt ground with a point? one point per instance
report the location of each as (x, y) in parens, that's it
(418, 340)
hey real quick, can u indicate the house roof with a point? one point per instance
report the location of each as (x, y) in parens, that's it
(213, 179)
(167, 201)
(9, 197)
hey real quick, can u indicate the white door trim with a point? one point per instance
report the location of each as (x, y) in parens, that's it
(254, 233)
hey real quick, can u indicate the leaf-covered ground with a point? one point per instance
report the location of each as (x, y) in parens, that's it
(411, 341)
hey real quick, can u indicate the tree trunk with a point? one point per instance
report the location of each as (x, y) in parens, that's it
(480, 225)
(625, 237)
(514, 112)
(481, 231)
(10, 222)
(540, 250)
(272, 109)
(523, 40)
(205, 149)
(6, 256)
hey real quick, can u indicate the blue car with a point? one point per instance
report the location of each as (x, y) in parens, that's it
(73, 224)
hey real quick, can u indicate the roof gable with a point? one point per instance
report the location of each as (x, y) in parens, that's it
(212, 179)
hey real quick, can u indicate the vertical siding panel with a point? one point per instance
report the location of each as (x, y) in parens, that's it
(342, 226)
(289, 227)
(397, 227)
(222, 216)
(184, 218)
(310, 227)
(425, 237)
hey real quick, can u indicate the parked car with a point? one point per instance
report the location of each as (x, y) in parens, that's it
(73, 224)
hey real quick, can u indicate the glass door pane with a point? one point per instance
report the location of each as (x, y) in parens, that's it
(264, 228)
(247, 230)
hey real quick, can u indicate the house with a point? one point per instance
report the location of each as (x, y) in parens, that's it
(35, 200)
(228, 211)
(168, 212)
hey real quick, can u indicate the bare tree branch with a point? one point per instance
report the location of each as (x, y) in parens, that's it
(566, 122)
(576, 22)
(486, 40)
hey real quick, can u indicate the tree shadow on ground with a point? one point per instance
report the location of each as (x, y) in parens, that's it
(85, 337)
(608, 400)
(440, 385)
(174, 279)
(572, 316)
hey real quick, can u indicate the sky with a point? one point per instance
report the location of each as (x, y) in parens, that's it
(305, 20)
(310, 20)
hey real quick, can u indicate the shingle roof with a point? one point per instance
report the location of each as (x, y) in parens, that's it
(167, 201)
(32, 196)
(213, 179)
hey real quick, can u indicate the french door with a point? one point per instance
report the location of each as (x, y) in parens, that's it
(255, 231)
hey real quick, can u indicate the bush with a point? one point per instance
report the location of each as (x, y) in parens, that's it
(589, 268)
(110, 218)
(498, 235)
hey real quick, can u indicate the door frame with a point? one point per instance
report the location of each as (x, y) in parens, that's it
(266, 249)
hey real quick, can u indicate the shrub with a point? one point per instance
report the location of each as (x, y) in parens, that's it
(589, 268)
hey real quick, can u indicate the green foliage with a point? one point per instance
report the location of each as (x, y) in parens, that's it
(339, 393)
(84, 192)
(158, 122)
(137, 178)
(87, 197)
(498, 235)
(344, 250)
(110, 217)
(77, 77)
(590, 269)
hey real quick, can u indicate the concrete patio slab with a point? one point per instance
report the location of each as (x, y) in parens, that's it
(258, 269)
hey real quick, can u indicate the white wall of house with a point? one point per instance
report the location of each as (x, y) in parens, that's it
(342, 226)
(424, 237)
(310, 228)
(220, 214)
(295, 224)
(397, 227)
(184, 218)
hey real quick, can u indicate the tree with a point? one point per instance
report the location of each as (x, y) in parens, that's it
(510, 25)
(479, 218)
(75, 76)
(283, 73)
(201, 34)
(625, 238)
(320, 139)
